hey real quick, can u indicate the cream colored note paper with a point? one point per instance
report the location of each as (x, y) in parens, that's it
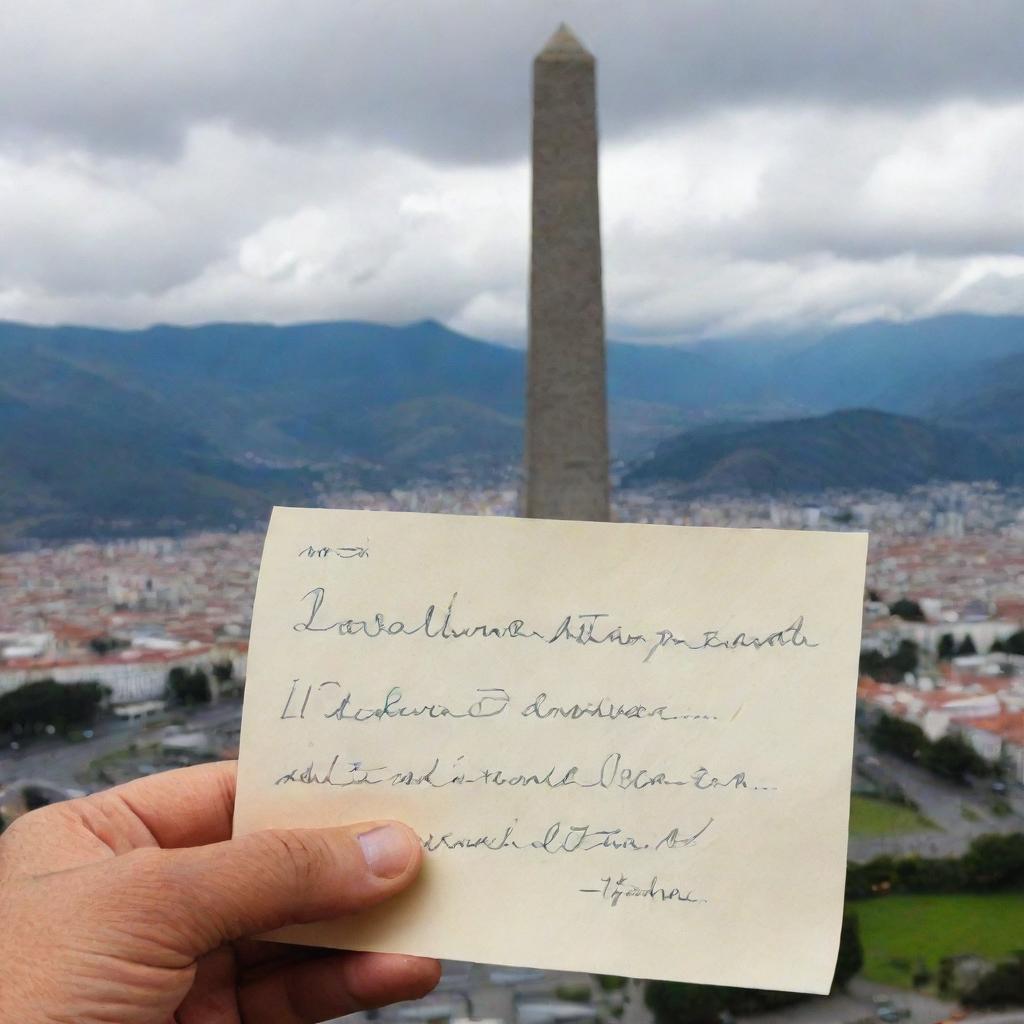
(626, 748)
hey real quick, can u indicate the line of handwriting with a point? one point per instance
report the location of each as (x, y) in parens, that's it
(584, 628)
(326, 551)
(611, 773)
(559, 838)
(614, 889)
(330, 700)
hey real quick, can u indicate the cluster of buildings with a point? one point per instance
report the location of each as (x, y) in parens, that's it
(962, 565)
(979, 698)
(967, 616)
(951, 510)
(960, 582)
(946, 510)
(125, 613)
(134, 674)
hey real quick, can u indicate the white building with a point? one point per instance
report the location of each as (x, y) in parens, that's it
(131, 675)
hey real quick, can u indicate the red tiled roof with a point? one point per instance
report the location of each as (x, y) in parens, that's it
(1009, 726)
(127, 657)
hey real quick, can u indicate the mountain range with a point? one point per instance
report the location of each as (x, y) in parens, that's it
(852, 449)
(106, 431)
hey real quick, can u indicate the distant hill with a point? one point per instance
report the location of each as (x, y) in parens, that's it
(129, 431)
(850, 449)
(80, 455)
(108, 432)
(134, 430)
(991, 401)
(308, 392)
(898, 367)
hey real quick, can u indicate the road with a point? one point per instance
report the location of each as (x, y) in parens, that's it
(854, 1005)
(61, 762)
(508, 994)
(996, 1017)
(942, 802)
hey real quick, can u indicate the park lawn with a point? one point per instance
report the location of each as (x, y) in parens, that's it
(870, 816)
(897, 931)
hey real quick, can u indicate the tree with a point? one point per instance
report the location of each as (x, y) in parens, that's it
(851, 952)
(995, 861)
(909, 611)
(947, 647)
(224, 670)
(967, 647)
(953, 758)
(873, 663)
(895, 736)
(105, 644)
(31, 708)
(905, 658)
(1002, 986)
(921, 975)
(1014, 643)
(676, 1002)
(188, 687)
(927, 874)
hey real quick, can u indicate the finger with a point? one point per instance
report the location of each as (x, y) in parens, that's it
(257, 954)
(212, 995)
(316, 990)
(265, 880)
(180, 808)
(184, 807)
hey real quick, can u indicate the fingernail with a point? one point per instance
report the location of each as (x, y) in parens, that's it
(387, 850)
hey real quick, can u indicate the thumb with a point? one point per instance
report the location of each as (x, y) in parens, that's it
(265, 880)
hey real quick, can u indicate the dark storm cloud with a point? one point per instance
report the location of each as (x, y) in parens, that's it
(449, 80)
(765, 163)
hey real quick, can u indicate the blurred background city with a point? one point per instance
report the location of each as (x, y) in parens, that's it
(301, 242)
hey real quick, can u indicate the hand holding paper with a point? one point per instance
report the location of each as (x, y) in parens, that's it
(626, 748)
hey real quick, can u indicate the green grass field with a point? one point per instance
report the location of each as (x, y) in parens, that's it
(870, 816)
(897, 931)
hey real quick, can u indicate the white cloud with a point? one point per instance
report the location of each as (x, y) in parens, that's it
(241, 227)
(362, 173)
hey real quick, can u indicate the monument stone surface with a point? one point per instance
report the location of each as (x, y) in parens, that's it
(567, 420)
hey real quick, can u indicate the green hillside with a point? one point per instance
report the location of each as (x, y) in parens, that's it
(851, 449)
(107, 431)
(995, 403)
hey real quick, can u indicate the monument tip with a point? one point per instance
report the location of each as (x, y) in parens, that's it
(564, 45)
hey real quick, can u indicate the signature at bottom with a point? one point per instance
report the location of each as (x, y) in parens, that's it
(615, 889)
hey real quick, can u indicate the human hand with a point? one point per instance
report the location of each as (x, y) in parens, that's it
(132, 906)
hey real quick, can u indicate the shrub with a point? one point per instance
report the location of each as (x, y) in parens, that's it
(674, 1002)
(573, 993)
(188, 687)
(31, 708)
(991, 862)
(1002, 986)
(895, 736)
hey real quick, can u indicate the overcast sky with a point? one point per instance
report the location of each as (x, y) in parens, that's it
(766, 165)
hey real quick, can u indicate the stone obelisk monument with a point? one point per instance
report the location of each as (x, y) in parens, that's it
(566, 414)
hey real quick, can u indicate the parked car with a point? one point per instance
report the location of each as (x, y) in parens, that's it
(888, 1011)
